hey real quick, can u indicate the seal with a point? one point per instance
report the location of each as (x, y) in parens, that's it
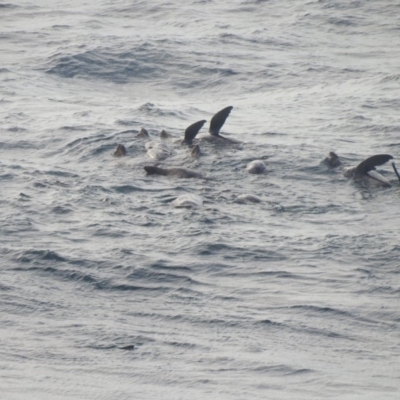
(366, 172)
(333, 160)
(143, 134)
(165, 135)
(188, 200)
(120, 151)
(256, 167)
(177, 172)
(157, 151)
(128, 348)
(248, 198)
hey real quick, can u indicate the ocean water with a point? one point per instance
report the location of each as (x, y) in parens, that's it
(110, 292)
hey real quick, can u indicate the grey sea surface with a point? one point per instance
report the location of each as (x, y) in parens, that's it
(108, 291)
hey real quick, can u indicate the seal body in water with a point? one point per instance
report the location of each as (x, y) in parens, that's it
(248, 198)
(256, 167)
(128, 348)
(120, 151)
(157, 151)
(188, 200)
(366, 172)
(176, 172)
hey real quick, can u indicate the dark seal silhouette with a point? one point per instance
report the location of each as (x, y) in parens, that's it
(176, 172)
(366, 170)
(128, 348)
(120, 151)
(216, 123)
(218, 120)
(143, 134)
(192, 131)
(333, 160)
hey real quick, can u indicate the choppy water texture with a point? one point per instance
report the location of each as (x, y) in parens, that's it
(296, 296)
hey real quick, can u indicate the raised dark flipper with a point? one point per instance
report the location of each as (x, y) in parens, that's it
(370, 163)
(395, 170)
(192, 130)
(218, 120)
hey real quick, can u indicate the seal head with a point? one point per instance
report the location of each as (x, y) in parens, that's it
(143, 134)
(188, 200)
(333, 160)
(256, 167)
(164, 135)
(120, 151)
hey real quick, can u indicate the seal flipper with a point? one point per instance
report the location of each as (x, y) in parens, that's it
(218, 120)
(395, 170)
(192, 130)
(370, 163)
(378, 177)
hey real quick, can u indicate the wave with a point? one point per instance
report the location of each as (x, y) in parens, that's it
(140, 63)
(8, 5)
(150, 63)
